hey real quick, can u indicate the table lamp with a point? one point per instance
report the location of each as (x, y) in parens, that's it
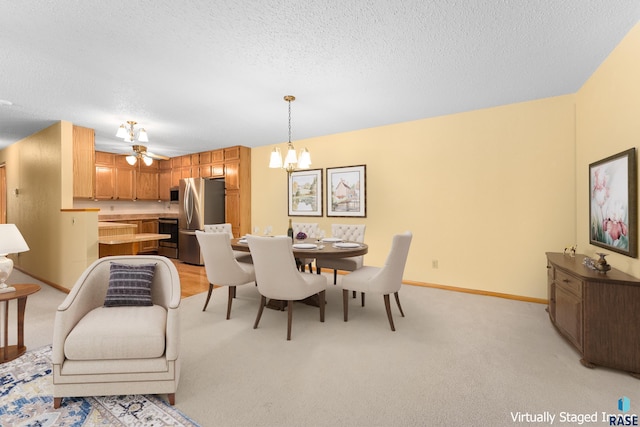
(11, 242)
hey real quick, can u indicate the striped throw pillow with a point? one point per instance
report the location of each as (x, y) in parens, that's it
(129, 285)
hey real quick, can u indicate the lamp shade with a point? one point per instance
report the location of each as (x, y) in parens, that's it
(276, 159)
(11, 241)
(142, 136)
(131, 159)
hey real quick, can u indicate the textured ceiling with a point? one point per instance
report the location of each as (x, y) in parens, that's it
(205, 74)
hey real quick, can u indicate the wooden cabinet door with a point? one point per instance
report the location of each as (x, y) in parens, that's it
(124, 184)
(232, 211)
(568, 315)
(164, 184)
(147, 185)
(105, 182)
(83, 162)
(231, 175)
(149, 226)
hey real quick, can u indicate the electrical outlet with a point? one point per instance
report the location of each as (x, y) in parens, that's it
(434, 263)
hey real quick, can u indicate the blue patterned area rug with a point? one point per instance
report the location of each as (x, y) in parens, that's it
(26, 399)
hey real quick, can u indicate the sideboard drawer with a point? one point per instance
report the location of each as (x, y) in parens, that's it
(568, 282)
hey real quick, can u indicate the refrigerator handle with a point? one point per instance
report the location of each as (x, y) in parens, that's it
(188, 205)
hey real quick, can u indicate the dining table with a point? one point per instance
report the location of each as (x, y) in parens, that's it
(311, 248)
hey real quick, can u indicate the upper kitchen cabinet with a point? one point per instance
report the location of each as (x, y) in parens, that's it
(105, 173)
(146, 181)
(83, 162)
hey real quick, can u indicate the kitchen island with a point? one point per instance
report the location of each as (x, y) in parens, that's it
(115, 238)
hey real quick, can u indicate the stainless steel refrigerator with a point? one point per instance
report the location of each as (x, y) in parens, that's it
(201, 201)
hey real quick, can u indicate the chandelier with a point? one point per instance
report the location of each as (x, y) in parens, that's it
(291, 160)
(127, 132)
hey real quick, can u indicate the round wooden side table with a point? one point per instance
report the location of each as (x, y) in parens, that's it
(10, 352)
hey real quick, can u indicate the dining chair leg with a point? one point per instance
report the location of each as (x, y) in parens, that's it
(208, 297)
(345, 303)
(387, 305)
(289, 319)
(398, 302)
(321, 297)
(335, 276)
(318, 270)
(354, 294)
(232, 294)
(263, 302)
(362, 298)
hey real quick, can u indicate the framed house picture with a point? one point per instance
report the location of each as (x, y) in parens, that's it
(613, 202)
(305, 193)
(347, 191)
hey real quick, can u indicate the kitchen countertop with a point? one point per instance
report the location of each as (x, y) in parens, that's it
(135, 217)
(118, 240)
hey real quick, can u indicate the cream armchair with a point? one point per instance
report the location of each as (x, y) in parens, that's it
(100, 351)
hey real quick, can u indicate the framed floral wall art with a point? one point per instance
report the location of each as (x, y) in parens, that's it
(613, 203)
(305, 193)
(347, 191)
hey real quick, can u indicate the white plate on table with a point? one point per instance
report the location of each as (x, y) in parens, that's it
(332, 239)
(242, 241)
(346, 245)
(304, 246)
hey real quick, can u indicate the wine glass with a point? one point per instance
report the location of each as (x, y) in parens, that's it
(256, 230)
(267, 230)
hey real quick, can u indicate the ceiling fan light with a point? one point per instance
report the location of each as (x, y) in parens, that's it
(122, 132)
(142, 136)
(305, 159)
(276, 159)
(147, 160)
(131, 159)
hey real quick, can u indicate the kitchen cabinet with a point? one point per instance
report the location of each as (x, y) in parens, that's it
(125, 179)
(146, 181)
(164, 180)
(237, 177)
(105, 172)
(83, 162)
(598, 313)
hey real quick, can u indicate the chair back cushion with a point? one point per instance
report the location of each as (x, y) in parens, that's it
(311, 229)
(219, 261)
(219, 228)
(351, 232)
(390, 277)
(276, 273)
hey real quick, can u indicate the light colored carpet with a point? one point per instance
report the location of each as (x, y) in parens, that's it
(456, 359)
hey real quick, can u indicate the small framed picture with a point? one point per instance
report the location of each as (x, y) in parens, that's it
(347, 191)
(305, 193)
(613, 216)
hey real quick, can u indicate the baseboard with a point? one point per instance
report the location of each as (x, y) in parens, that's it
(53, 285)
(471, 291)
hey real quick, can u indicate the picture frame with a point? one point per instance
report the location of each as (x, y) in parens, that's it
(305, 193)
(347, 191)
(613, 203)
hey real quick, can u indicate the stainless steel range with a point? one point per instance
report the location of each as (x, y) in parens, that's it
(168, 247)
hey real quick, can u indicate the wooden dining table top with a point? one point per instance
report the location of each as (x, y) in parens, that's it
(323, 249)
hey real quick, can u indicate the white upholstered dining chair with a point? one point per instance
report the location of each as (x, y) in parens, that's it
(226, 228)
(278, 277)
(312, 230)
(349, 232)
(222, 268)
(384, 280)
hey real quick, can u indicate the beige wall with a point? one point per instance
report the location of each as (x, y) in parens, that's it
(485, 193)
(608, 118)
(61, 244)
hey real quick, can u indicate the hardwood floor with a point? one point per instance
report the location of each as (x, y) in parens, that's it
(193, 278)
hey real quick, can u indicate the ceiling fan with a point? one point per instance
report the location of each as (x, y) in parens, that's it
(140, 152)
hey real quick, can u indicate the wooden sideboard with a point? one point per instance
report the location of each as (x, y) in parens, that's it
(596, 312)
